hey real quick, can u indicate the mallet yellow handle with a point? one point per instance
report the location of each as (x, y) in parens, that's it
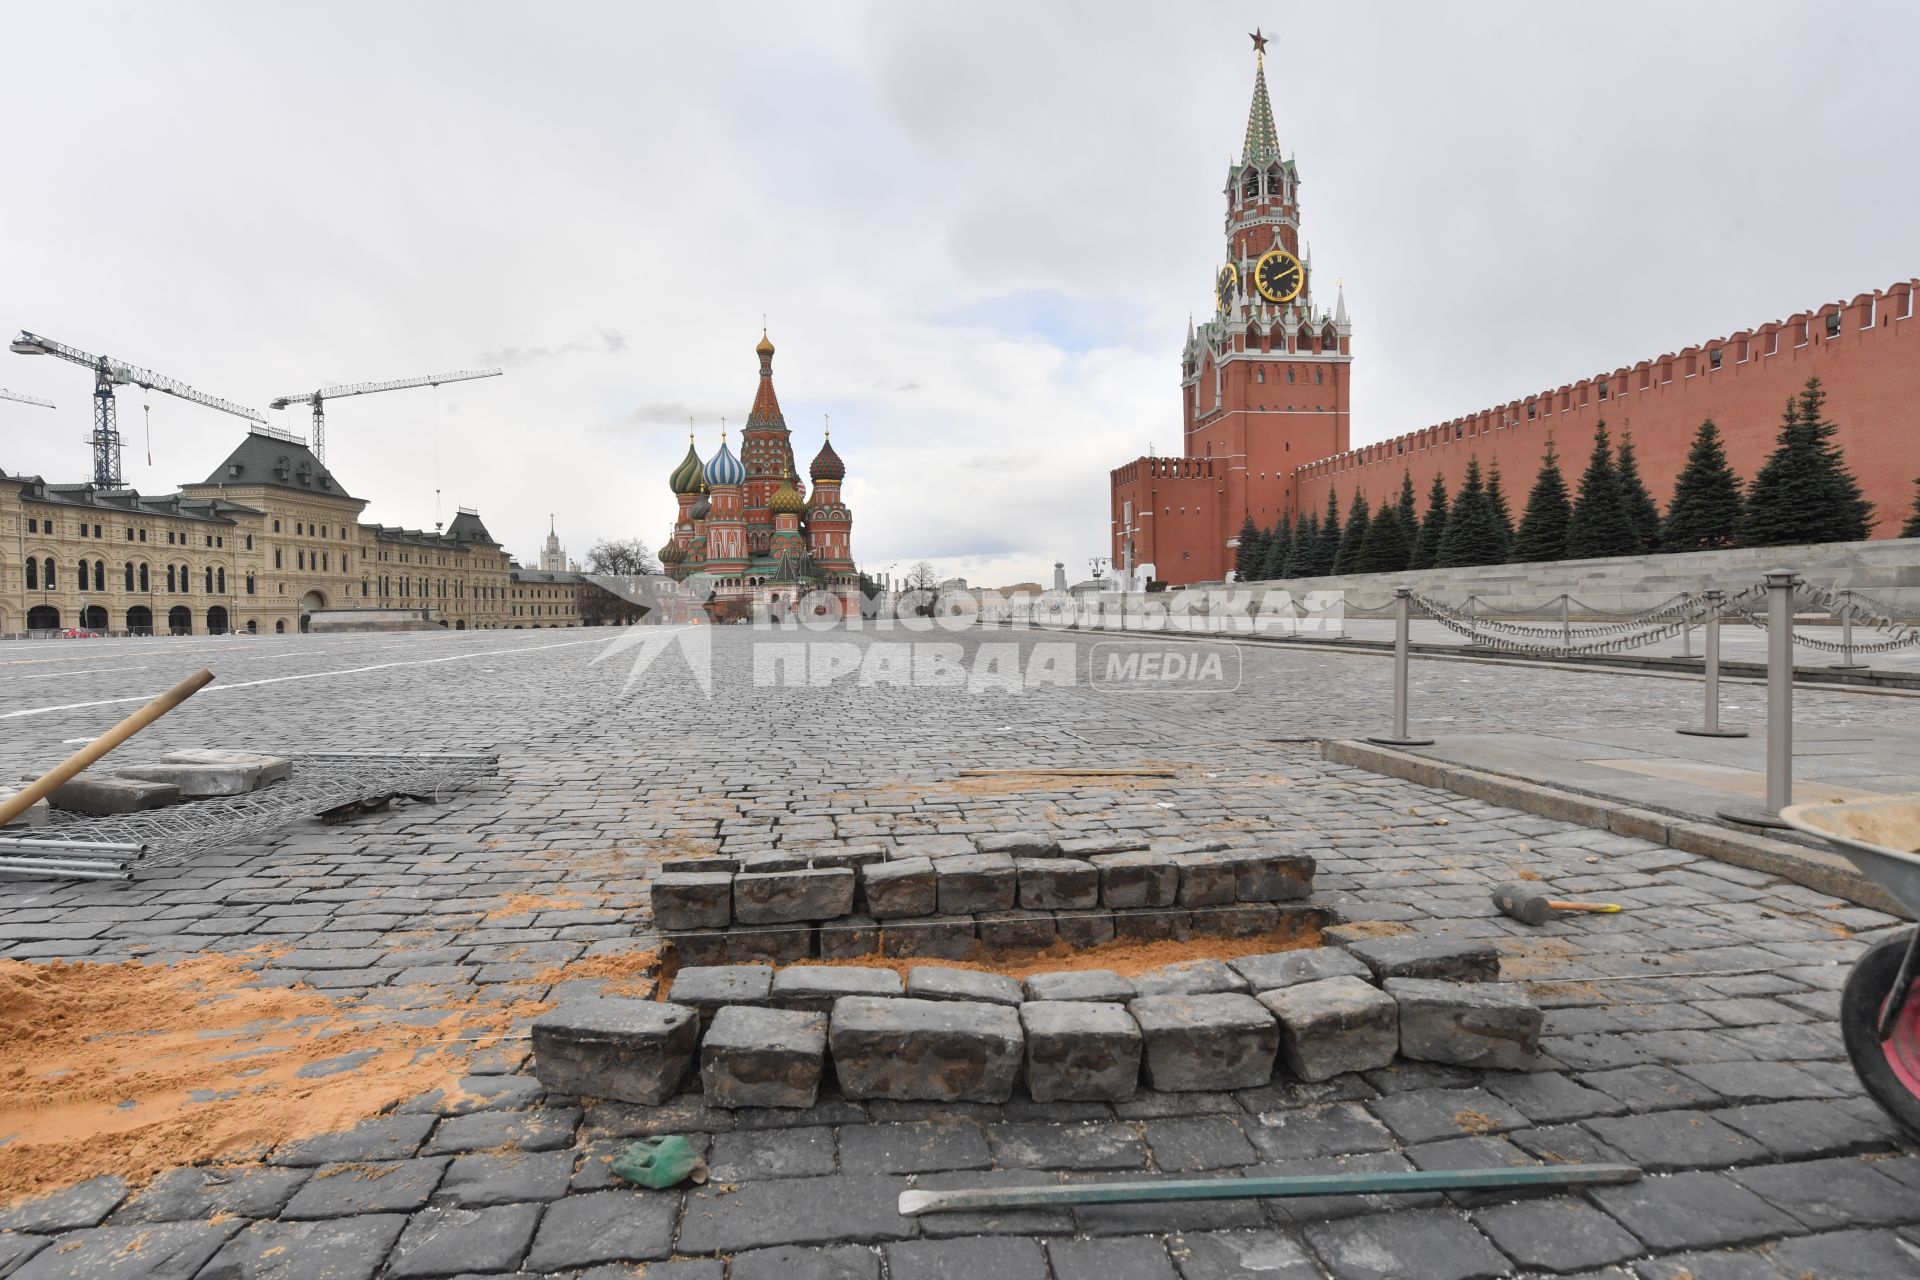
(1608, 907)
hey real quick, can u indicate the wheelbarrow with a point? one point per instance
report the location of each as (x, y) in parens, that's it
(1879, 1016)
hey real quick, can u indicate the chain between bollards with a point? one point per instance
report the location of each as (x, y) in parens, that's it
(1402, 623)
(1711, 728)
(1780, 586)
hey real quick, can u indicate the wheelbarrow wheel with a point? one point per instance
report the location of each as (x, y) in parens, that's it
(1889, 1068)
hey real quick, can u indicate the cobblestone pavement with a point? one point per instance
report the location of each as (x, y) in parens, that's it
(1693, 1034)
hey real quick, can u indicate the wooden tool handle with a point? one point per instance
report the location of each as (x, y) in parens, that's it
(19, 802)
(1558, 905)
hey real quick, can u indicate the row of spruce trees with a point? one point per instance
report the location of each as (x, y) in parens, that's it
(1803, 494)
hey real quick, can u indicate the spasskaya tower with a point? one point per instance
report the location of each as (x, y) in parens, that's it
(1263, 381)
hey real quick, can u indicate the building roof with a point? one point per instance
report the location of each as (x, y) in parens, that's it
(466, 527)
(128, 502)
(278, 459)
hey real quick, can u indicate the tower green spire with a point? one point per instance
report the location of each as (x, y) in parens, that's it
(1263, 141)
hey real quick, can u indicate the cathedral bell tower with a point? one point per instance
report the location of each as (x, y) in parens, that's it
(1264, 381)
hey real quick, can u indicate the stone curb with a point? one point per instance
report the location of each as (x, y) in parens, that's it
(1814, 868)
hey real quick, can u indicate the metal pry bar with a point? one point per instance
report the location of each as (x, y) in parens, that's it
(914, 1203)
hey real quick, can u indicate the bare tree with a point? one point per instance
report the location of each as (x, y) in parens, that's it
(621, 557)
(922, 577)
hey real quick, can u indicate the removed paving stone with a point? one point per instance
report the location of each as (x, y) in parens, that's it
(1492, 1025)
(753, 1057)
(814, 988)
(1211, 1042)
(1428, 956)
(692, 900)
(925, 1050)
(272, 768)
(1334, 1026)
(625, 1050)
(104, 796)
(1287, 968)
(199, 781)
(936, 982)
(1081, 1051)
(1103, 985)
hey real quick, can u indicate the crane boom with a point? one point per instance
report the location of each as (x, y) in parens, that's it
(318, 399)
(15, 395)
(108, 374)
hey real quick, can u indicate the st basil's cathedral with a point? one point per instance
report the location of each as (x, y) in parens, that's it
(747, 531)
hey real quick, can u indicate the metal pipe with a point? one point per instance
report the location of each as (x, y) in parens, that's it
(1780, 585)
(27, 844)
(1402, 625)
(1711, 728)
(1566, 621)
(1846, 638)
(914, 1203)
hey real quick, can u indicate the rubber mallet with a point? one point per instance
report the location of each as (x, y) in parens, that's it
(1529, 906)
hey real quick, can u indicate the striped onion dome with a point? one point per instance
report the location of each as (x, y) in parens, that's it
(724, 468)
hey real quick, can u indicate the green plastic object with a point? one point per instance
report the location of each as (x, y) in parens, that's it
(660, 1163)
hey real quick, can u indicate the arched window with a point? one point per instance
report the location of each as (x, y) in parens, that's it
(47, 575)
(33, 574)
(129, 577)
(143, 577)
(300, 558)
(1250, 185)
(171, 587)
(223, 581)
(99, 575)
(249, 584)
(209, 572)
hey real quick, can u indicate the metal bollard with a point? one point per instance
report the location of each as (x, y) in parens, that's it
(1686, 638)
(1402, 606)
(1846, 638)
(1780, 585)
(1711, 728)
(1566, 621)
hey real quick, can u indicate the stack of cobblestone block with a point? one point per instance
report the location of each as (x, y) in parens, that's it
(190, 773)
(1004, 891)
(756, 1036)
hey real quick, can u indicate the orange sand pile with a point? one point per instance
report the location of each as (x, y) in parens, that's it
(1125, 958)
(631, 974)
(134, 1068)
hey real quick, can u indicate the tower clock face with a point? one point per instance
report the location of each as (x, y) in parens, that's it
(1224, 287)
(1279, 276)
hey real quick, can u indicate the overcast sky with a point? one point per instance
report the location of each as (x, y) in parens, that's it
(976, 229)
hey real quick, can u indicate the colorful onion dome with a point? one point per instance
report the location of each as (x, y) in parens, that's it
(690, 476)
(827, 464)
(724, 468)
(702, 507)
(673, 553)
(786, 500)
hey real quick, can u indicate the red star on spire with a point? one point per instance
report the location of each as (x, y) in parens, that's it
(1259, 41)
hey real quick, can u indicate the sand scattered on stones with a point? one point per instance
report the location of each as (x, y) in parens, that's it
(133, 1068)
(1125, 958)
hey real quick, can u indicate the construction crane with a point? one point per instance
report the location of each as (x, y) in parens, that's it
(15, 395)
(109, 373)
(318, 399)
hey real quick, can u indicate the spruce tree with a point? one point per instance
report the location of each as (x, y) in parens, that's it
(1642, 512)
(1600, 526)
(1805, 493)
(1502, 513)
(1326, 545)
(1409, 510)
(1359, 515)
(1426, 546)
(1472, 534)
(1249, 555)
(1386, 548)
(1542, 535)
(1279, 546)
(1705, 513)
(1912, 528)
(1306, 537)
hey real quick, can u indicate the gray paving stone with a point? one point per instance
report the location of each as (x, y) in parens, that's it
(604, 1226)
(1716, 1265)
(1206, 1042)
(84, 1204)
(790, 1211)
(1333, 1026)
(1018, 844)
(917, 1147)
(1003, 1258)
(1431, 1243)
(1651, 1087)
(1432, 956)
(1856, 1255)
(709, 987)
(1242, 1255)
(1469, 1024)
(1191, 978)
(1199, 1143)
(938, 982)
(443, 1242)
(1340, 1128)
(784, 897)
(103, 795)
(905, 887)
(1804, 1130)
(1134, 880)
(773, 1153)
(1139, 1258)
(843, 1262)
(1429, 1115)
(692, 900)
(1052, 884)
(1692, 1211)
(754, 1057)
(1547, 1097)
(933, 1050)
(1561, 1234)
(1133, 1219)
(337, 1190)
(16, 1249)
(976, 882)
(1207, 879)
(1102, 986)
(1825, 1194)
(1016, 930)
(339, 1249)
(933, 938)
(1080, 1051)
(1286, 968)
(193, 1195)
(1669, 1140)
(156, 1251)
(484, 1178)
(628, 1050)
(1066, 1146)
(1271, 875)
